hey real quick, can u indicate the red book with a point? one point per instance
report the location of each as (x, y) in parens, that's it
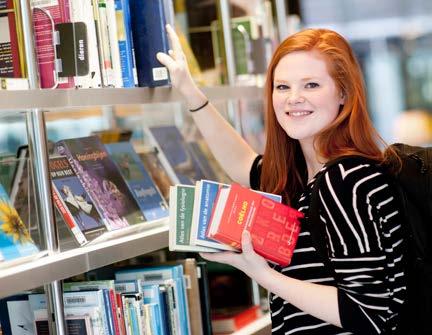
(274, 227)
(10, 64)
(232, 320)
(46, 15)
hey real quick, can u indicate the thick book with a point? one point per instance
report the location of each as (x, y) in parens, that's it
(204, 294)
(46, 16)
(102, 180)
(232, 320)
(274, 227)
(73, 202)
(15, 239)
(10, 40)
(181, 166)
(149, 38)
(145, 191)
(83, 11)
(180, 222)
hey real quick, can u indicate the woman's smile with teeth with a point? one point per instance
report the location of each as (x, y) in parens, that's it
(298, 113)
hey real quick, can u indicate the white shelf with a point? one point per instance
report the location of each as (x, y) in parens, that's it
(261, 326)
(65, 264)
(72, 98)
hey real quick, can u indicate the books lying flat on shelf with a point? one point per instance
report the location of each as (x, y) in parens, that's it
(146, 193)
(231, 320)
(102, 181)
(73, 202)
(15, 240)
(274, 227)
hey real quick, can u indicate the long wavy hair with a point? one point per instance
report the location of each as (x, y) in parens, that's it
(351, 133)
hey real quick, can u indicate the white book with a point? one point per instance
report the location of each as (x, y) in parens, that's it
(82, 11)
(113, 42)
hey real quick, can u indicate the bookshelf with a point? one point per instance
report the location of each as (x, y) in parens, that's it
(72, 98)
(141, 240)
(70, 261)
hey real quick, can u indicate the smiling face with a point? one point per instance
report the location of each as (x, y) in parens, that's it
(305, 96)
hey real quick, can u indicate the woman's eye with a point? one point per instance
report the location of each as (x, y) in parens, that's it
(312, 85)
(282, 87)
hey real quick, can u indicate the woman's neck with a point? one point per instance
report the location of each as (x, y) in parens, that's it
(314, 162)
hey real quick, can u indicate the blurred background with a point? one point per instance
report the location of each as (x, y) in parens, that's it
(391, 38)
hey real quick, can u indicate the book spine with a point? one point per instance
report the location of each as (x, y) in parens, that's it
(104, 46)
(10, 62)
(113, 303)
(67, 217)
(149, 37)
(124, 36)
(113, 42)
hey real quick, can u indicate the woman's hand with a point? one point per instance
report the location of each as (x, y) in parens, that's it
(247, 261)
(177, 66)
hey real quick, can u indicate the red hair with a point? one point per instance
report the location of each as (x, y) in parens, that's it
(351, 133)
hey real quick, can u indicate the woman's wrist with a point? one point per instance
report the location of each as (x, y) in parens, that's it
(195, 100)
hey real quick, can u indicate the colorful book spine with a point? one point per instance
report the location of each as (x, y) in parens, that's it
(113, 42)
(124, 35)
(149, 37)
(102, 180)
(146, 193)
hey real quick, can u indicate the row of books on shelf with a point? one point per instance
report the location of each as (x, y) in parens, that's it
(161, 300)
(98, 188)
(211, 217)
(87, 44)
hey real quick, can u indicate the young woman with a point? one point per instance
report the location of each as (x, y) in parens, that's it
(316, 112)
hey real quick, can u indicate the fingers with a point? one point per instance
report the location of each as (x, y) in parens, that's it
(246, 241)
(175, 41)
(220, 257)
(165, 60)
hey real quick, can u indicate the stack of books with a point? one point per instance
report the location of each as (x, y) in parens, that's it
(211, 216)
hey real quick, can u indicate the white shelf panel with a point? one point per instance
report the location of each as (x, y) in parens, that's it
(83, 259)
(261, 326)
(69, 98)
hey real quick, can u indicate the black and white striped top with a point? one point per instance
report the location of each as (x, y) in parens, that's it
(360, 210)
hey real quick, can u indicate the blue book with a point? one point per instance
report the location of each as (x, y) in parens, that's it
(158, 275)
(15, 240)
(151, 295)
(180, 165)
(141, 185)
(149, 38)
(128, 286)
(125, 42)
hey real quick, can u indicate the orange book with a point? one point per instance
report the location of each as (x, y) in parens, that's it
(274, 227)
(232, 320)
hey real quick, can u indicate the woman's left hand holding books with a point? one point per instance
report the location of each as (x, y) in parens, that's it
(247, 261)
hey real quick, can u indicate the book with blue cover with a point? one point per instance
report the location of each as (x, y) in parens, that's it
(151, 295)
(173, 151)
(149, 38)
(102, 180)
(15, 239)
(145, 191)
(124, 35)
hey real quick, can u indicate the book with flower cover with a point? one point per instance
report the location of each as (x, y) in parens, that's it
(274, 227)
(102, 180)
(15, 240)
(73, 202)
